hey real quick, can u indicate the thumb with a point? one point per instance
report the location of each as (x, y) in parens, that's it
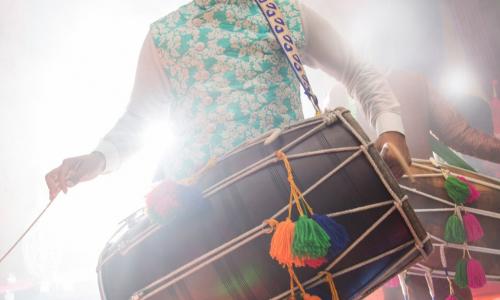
(384, 150)
(397, 160)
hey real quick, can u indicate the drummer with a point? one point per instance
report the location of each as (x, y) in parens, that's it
(213, 68)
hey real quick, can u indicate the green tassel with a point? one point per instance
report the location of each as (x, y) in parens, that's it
(309, 239)
(454, 231)
(461, 273)
(456, 189)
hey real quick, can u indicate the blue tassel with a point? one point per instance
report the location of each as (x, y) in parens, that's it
(339, 238)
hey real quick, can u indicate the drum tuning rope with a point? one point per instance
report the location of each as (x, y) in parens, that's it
(331, 284)
(25, 232)
(462, 227)
(294, 279)
(305, 211)
(308, 240)
(430, 283)
(444, 263)
(404, 287)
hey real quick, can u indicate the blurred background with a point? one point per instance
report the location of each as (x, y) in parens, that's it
(66, 71)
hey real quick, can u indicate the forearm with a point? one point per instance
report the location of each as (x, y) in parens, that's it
(121, 142)
(453, 130)
(149, 101)
(326, 49)
(470, 141)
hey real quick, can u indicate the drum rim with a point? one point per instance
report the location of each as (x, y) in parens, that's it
(420, 160)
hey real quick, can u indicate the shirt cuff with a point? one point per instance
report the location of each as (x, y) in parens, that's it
(111, 156)
(389, 121)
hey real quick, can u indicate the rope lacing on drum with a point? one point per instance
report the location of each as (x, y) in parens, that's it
(463, 218)
(307, 240)
(331, 285)
(270, 225)
(329, 118)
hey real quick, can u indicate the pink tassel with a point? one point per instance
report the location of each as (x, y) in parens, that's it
(315, 263)
(473, 192)
(393, 283)
(473, 228)
(451, 297)
(475, 274)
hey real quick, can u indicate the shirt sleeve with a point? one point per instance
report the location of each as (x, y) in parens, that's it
(326, 49)
(149, 101)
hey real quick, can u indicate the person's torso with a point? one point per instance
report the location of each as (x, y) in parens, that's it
(229, 79)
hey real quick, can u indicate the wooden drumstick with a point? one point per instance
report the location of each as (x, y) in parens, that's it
(406, 168)
(25, 232)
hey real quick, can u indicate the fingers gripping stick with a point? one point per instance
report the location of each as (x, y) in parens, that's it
(390, 147)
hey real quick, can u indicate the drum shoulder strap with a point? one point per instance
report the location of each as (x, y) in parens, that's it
(283, 36)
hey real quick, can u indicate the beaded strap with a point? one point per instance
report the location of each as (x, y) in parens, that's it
(282, 34)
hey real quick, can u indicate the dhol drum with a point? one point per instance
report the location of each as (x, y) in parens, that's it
(481, 241)
(222, 251)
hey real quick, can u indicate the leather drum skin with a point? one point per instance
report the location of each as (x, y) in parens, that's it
(222, 250)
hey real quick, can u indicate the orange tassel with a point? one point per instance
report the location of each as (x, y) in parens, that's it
(281, 244)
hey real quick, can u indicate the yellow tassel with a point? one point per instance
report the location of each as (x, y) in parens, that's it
(333, 288)
(295, 193)
(305, 296)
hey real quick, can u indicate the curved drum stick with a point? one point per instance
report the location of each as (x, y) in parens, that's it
(25, 232)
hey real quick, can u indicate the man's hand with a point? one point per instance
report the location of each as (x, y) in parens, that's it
(397, 140)
(73, 171)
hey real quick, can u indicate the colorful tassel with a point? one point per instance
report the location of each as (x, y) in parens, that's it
(339, 238)
(162, 200)
(475, 274)
(169, 197)
(281, 244)
(472, 227)
(461, 274)
(456, 189)
(315, 262)
(454, 231)
(473, 192)
(309, 239)
(451, 297)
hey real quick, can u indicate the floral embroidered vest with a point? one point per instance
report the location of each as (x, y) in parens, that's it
(229, 80)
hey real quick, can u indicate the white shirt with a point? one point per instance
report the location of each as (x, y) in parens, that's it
(324, 49)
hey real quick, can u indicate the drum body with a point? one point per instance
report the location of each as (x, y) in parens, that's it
(221, 251)
(429, 198)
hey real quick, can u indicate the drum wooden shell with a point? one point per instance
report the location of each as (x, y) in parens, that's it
(432, 204)
(153, 262)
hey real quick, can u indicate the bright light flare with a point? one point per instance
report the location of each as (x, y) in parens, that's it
(457, 82)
